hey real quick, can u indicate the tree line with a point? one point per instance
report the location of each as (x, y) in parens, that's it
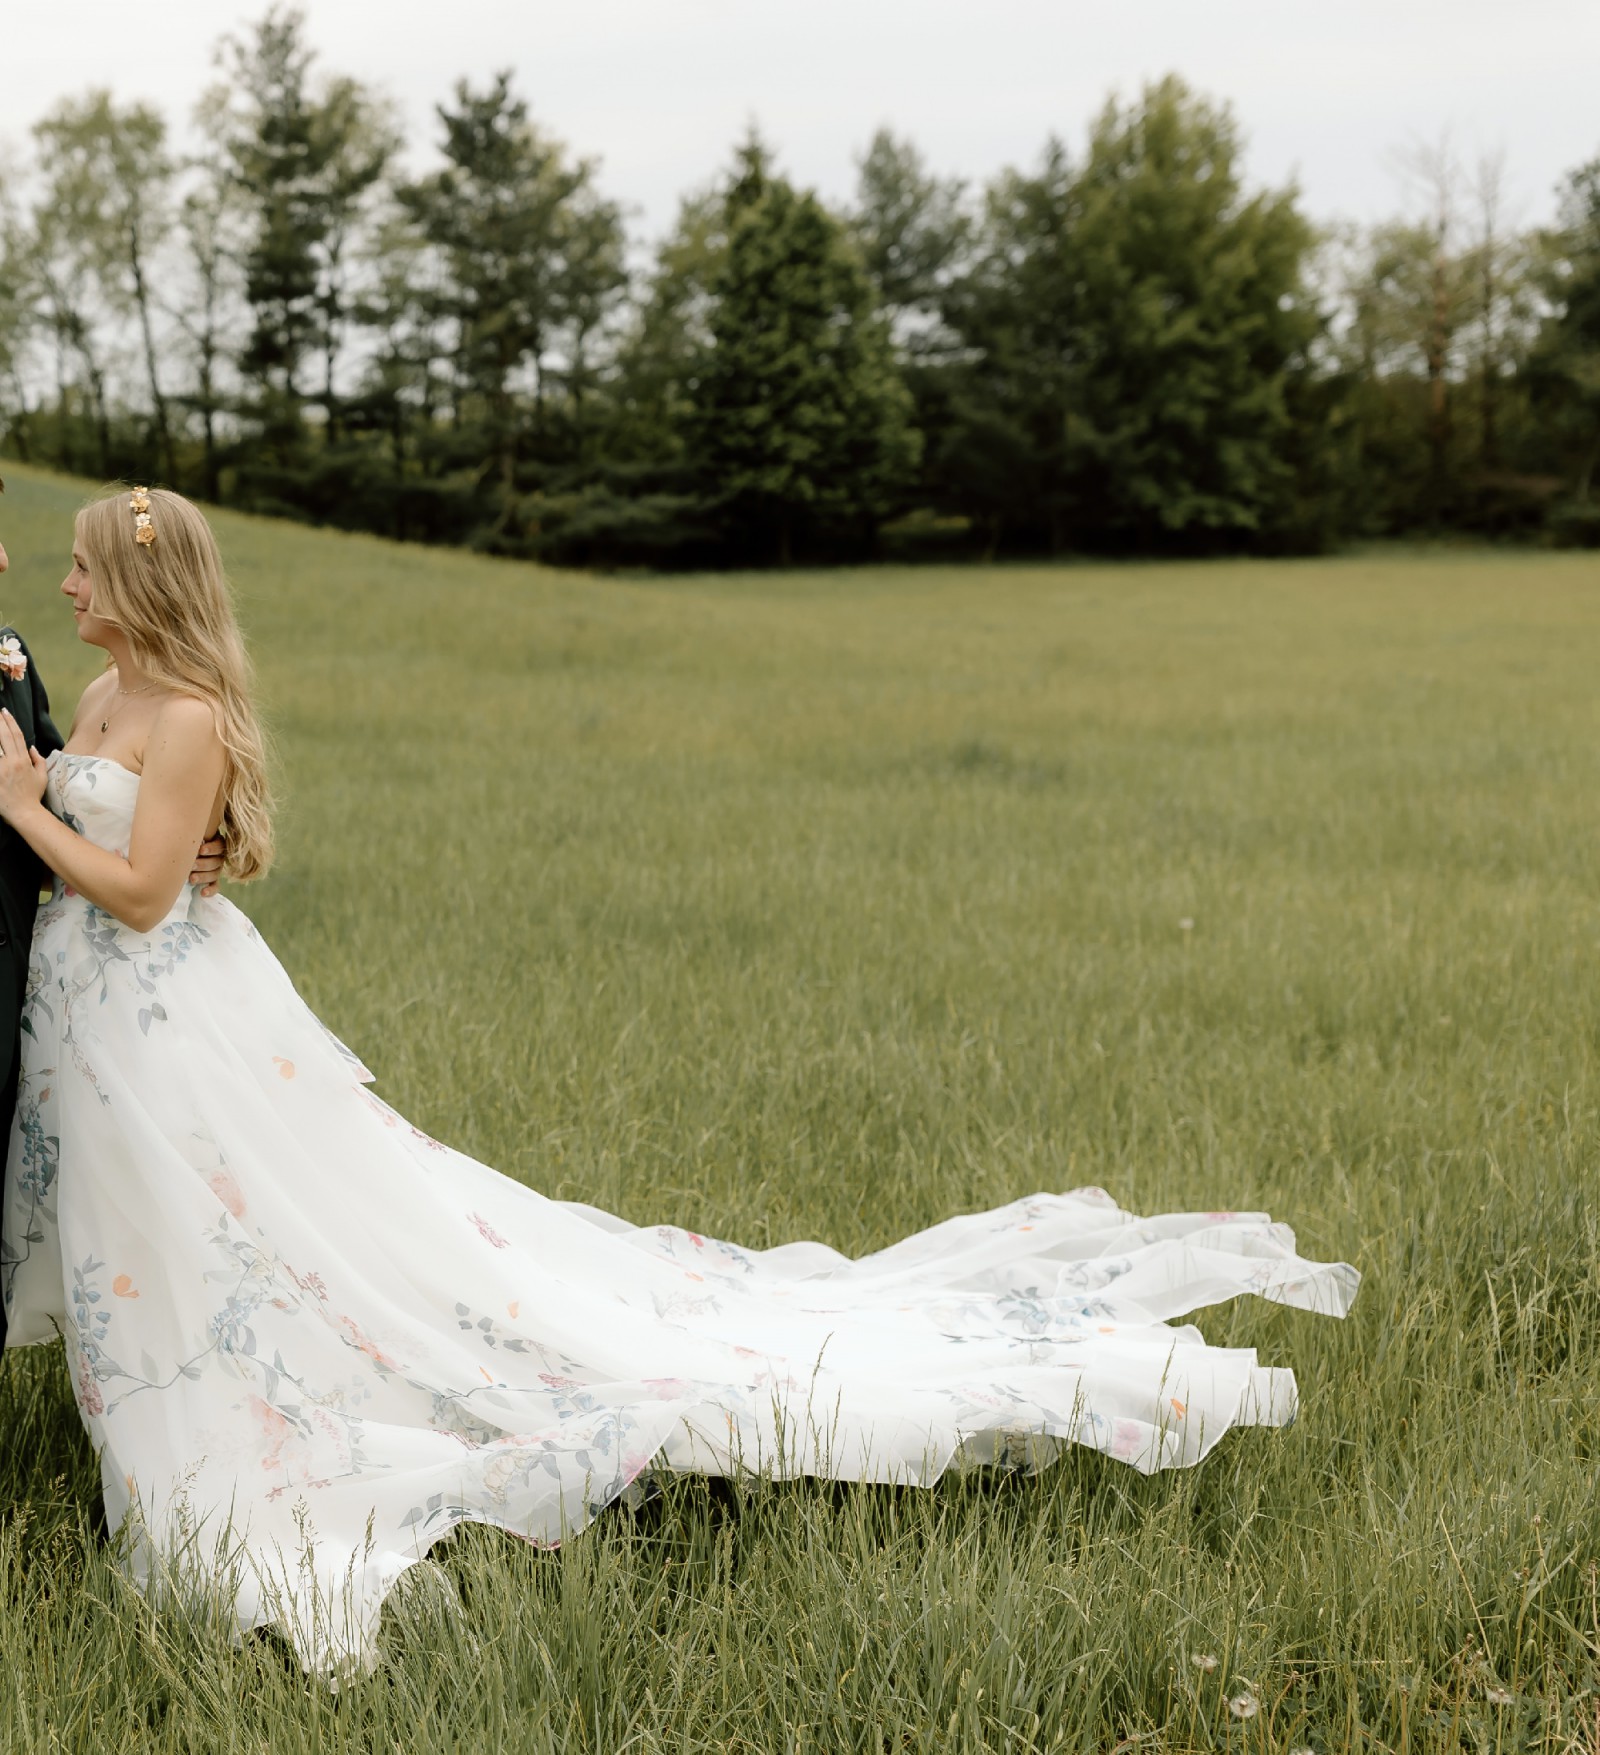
(1122, 349)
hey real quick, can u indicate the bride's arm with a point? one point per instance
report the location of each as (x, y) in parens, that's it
(183, 768)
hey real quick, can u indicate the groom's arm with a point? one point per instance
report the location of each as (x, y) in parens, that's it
(45, 736)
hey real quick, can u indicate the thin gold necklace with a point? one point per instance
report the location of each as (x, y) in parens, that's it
(112, 712)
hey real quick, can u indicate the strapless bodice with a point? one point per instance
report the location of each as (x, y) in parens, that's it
(95, 796)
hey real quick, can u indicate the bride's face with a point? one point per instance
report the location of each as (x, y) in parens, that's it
(79, 587)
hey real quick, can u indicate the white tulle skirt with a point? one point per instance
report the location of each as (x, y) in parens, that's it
(308, 1341)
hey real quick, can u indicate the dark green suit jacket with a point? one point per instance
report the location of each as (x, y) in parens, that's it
(21, 875)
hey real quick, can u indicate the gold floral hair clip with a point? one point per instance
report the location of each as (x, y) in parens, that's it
(143, 530)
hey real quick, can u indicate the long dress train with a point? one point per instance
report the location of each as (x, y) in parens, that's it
(307, 1340)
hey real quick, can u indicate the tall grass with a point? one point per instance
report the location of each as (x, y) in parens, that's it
(829, 905)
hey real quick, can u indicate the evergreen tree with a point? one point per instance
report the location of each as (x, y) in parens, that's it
(910, 228)
(271, 137)
(1566, 362)
(799, 417)
(667, 333)
(1004, 426)
(307, 158)
(532, 262)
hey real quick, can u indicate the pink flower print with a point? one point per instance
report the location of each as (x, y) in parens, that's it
(311, 1283)
(487, 1231)
(698, 1242)
(224, 1185)
(275, 1430)
(1127, 1437)
(390, 1119)
(89, 1396)
(364, 1344)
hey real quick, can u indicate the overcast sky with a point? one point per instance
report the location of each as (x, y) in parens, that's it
(659, 90)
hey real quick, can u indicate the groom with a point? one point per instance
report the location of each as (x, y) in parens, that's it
(21, 874)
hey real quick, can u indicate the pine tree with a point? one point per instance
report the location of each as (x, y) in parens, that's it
(532, 259)
(306, 154)
(800, 419)
(1566, 362)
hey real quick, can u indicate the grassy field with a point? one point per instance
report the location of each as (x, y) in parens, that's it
(828, 905)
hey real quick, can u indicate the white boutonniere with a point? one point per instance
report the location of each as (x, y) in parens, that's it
(13, 660)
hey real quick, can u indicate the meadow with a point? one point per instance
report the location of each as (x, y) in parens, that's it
(831, 904)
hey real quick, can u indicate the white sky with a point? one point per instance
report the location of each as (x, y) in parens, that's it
(660, 90)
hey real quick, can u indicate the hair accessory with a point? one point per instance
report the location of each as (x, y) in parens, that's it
(143, 530)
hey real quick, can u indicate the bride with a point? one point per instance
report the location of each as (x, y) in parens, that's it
(307, 1340)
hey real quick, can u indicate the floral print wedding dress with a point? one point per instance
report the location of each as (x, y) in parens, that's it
(307, 1340)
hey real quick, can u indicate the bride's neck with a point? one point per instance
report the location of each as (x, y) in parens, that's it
(129, 674)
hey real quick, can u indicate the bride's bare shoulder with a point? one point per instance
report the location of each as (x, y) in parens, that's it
(184, 728)
(188, 717)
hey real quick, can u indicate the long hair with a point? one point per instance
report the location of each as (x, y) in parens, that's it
(170, 600)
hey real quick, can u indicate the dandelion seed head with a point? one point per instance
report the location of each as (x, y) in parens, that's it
(1498, 1696)
(1186, 924)
(1203, 1660)
(1244, 1706)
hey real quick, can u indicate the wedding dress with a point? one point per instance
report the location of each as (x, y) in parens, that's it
(307, 1340)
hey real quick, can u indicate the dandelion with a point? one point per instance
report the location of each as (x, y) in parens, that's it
(1498, 1696)
(1186, 924)
(1205, 1661)
(1244, 1705)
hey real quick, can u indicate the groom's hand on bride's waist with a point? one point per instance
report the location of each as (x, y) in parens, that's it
(207, 871)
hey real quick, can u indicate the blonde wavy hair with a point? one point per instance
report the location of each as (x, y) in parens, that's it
(170, 600)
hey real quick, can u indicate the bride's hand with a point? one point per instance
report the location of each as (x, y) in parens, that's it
(23, 771)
